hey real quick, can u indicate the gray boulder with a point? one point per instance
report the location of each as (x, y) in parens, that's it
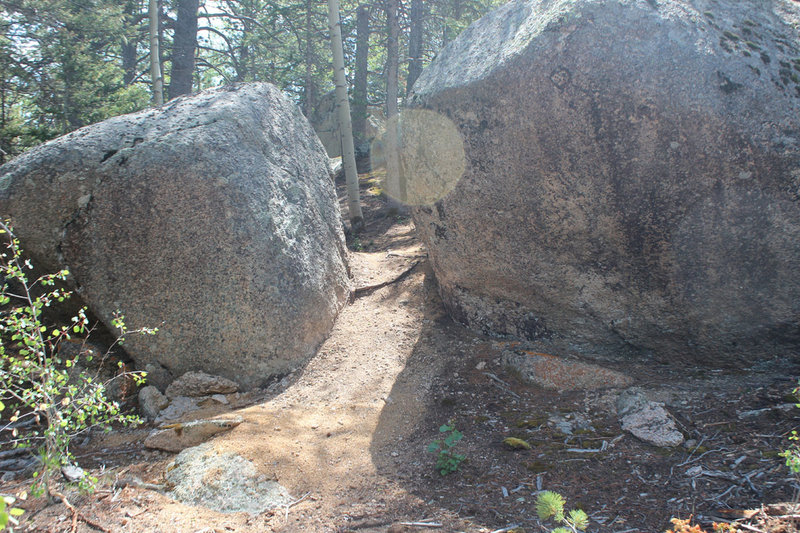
(212, 218)
(632, 175)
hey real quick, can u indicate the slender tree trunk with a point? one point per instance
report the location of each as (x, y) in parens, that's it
(415, 42)
(309, 87)
(395, 182)
(392, 56)
(343, 109)
(155, 55)
(128, 63)
(130, 43)
(184, 43)
(360, 82)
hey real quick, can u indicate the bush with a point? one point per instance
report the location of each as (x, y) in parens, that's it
(36, 383)
(447, 461)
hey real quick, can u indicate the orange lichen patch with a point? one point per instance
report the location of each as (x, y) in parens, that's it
(553, 372)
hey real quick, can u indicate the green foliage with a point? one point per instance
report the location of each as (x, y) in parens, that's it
(36, 383)
(551, 505)
(447, 461)
(792, 454)
(8, 514)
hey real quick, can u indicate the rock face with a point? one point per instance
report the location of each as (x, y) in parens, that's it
(212, 218)
(326, 124)
(633, 175)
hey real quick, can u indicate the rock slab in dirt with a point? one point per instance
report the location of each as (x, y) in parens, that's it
(177, 437)
(632, 176)
(558, 373)
(646, 420)
(200, 384)
(212, 218)
(223, 481)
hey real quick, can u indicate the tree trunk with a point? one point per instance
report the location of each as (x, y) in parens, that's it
(343, 110)
(360, 82)
(309, 87)
(392, 56)
(155, 63)
(184, 43)
(395, 182)
(415, 43)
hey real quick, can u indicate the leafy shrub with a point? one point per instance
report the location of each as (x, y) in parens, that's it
(447, 461)
(39, 385)
(792, 454)
(8, 514)
(550, 505)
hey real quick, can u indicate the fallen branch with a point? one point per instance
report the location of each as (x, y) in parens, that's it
(362, 291)
(421, 524)
(77, 515)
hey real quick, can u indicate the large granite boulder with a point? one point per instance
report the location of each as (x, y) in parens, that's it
(212, 218)
(632, 175)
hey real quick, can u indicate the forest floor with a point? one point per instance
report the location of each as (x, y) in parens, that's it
(347, 434)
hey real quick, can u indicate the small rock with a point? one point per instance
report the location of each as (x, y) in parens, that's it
(200, 384)
(225, 482)
(220, 398)
(73, 473)
(178, 407)
(151, 402)
(694, 471)
(690, 444)
(569, 423)
(481, 365)
(176, 437)
(648, 421)
(158, 376)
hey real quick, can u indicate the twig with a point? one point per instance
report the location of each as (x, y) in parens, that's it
(362, 291)
(502, 385)
(292, 504)
(421, 524)
(699, 457)
(749, 528)
(505, 529)
(688, 459)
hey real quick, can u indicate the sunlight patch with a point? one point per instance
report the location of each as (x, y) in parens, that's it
(423, 154)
